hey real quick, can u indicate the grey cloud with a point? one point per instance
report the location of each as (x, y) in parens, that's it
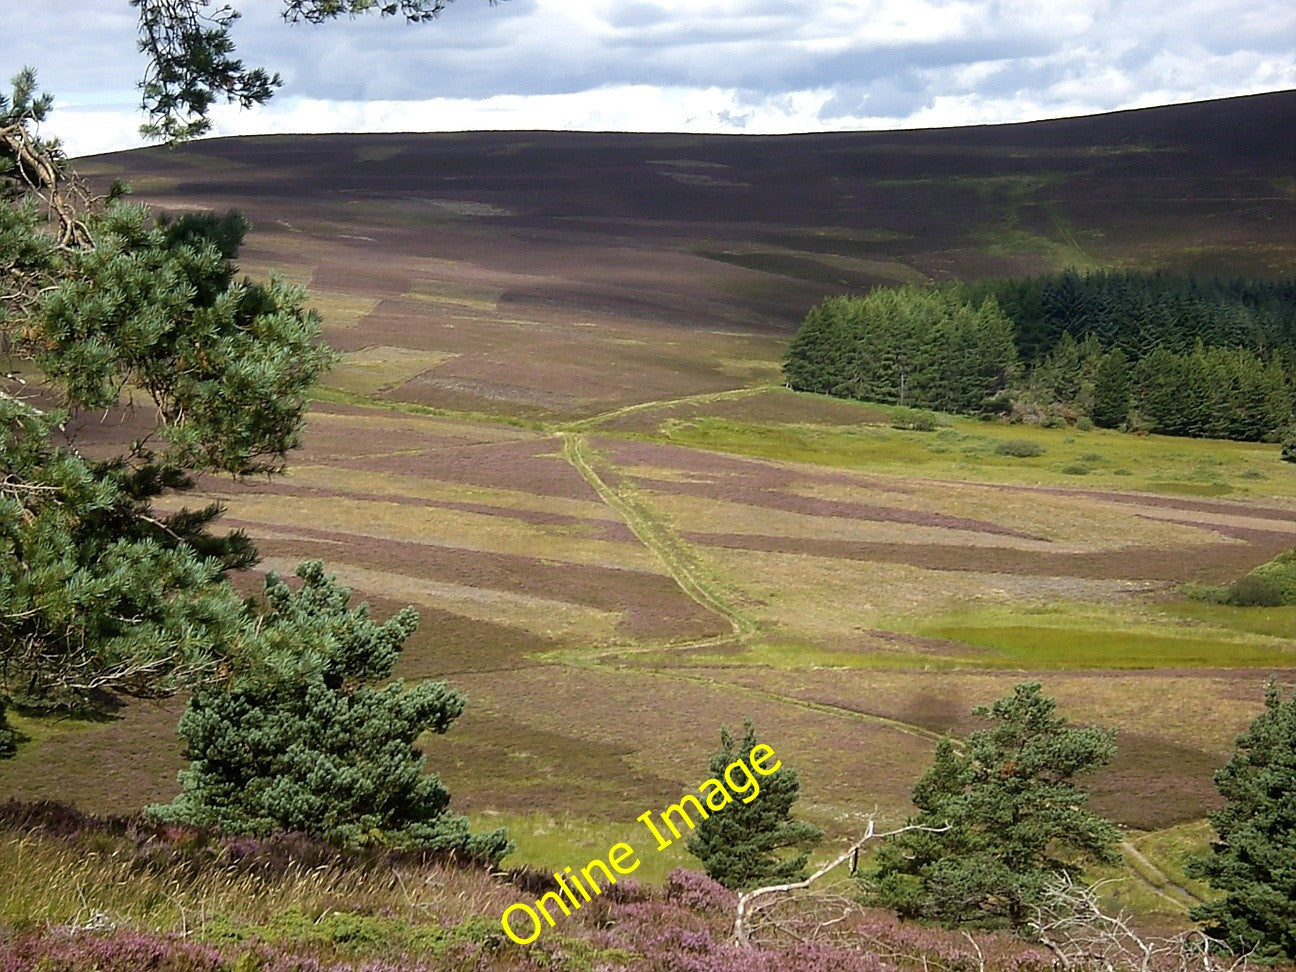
(763, 48)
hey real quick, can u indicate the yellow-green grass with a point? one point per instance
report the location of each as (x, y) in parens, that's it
(375, 369)
(461, 294)
(965, 449)
(551, 842)
(394, 484)
(1152, 876)
(321, 393)
(464, 530)
(341, 310)
(1279, 622)
(1101, 636)
(1170, 850)
(55, 882)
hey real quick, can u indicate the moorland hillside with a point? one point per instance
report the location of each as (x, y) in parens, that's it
(632, 267)
(558, 428)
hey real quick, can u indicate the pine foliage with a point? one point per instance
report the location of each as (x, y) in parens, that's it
(1016, 818)
(302, 737)
(96, 593)
(747, 845)
(1253, 859)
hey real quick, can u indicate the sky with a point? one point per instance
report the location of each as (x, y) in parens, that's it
(732, 66)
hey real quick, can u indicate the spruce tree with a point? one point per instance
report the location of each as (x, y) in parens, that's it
(1253, 858)
(1111, 396)
(1013, 812)
(746, 845)
(301, 737)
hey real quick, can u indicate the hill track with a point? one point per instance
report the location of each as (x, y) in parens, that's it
(585, 424)
(675, 554)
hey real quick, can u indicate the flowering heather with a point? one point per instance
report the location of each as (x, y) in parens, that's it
(87, 895)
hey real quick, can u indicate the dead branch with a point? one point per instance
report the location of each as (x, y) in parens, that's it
(1071, 924)
(63, 197)
(751, 903)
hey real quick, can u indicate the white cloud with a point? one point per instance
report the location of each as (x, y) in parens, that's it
(683, 65)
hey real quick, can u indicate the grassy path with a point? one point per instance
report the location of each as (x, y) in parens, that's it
(581, 425)
(768, 695)
(1155, 879)
(676, 556)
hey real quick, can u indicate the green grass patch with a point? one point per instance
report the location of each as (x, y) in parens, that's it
(1031, 646)
(1277, 622)
(968, 449)
(550, 843)
(1170, 849)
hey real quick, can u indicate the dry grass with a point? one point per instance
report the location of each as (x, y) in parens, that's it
(63, 884)
(464, 530)
(376, 369)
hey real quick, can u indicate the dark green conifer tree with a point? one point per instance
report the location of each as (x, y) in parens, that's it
(1111, 396)
(1014, 811)
(1253, 859)
(816, 356)
(746, 845)
(300, 736)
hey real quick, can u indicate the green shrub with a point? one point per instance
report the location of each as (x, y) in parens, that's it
(1272, 584)
(1289, 449)
(1076, 469)
(1253, 590)
(1206, 593)
(914, 419)
(1019, 448)
(1084, 424)
(1281, 573)
(1091, 457)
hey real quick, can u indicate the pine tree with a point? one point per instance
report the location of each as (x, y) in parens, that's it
(1253, 859)
(98, 591)
(1012, 809)
(745, 845)
(299, 737)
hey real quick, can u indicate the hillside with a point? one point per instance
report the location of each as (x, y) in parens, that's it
(559, 430)
(634, 267)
